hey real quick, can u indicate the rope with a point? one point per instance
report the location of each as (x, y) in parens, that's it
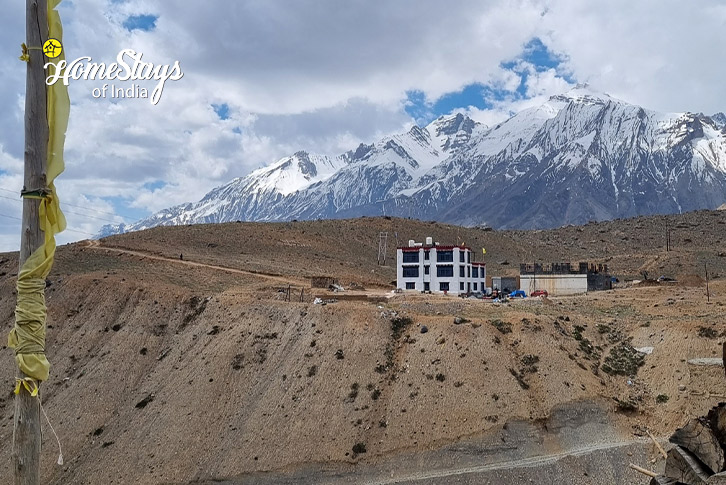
(60, 450)
(36, 193)
(31, 385)
(25, 56)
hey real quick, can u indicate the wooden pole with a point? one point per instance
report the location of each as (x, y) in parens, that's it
(708, 292)
(26, 450)
(643, 470)
(657, 445)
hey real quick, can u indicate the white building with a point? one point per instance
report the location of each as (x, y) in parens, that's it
(438, 269)
(554, 284)
(564, 278)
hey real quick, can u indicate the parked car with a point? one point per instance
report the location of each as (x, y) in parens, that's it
(518, 294)
(539, 293)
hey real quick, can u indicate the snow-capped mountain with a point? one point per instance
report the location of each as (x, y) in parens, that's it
(580, 156)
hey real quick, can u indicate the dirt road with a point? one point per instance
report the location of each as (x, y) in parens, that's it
(477, 473)
(96, 245)
(577, 444)
(597, 464)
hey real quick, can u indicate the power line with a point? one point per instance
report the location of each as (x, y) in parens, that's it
(66, 229)
(132, 219)
(11, 217)
(66, 211)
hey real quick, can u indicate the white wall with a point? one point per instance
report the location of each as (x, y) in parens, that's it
(432, 278)
(571, 284)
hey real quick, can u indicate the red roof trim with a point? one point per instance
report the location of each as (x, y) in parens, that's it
(441, 248)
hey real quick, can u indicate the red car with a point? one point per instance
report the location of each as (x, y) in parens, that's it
(539, 293)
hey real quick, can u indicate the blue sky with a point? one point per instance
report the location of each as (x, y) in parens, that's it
(222, 110)
(481, 96)
(141, 22)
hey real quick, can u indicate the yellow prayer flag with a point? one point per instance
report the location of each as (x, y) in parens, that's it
(28, 335)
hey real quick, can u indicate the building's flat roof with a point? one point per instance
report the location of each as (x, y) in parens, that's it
(445, 248)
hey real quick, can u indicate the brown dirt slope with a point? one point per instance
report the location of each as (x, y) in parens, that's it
(349, 248)
(168, 372)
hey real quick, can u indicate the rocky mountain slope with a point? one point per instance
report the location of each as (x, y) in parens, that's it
(580, 156)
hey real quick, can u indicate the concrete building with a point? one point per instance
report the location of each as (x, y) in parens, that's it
(436, 268)
(564, 278)
(504, 283)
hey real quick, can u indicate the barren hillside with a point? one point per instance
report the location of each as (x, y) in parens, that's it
(169, 369)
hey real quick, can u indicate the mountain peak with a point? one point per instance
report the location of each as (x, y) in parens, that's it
(451, 124)
(720, 119)
(583, 93)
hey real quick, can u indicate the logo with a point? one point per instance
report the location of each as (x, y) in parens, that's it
(129, 66)
(52, 48)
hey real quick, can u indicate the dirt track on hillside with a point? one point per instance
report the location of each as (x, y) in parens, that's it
(97, 245)
(584, 439)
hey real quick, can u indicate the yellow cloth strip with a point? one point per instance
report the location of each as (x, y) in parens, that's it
(30, 385)
(28, 335)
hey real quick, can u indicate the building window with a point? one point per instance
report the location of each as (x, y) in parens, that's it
(474, 286)
(410, 285)
(468, 271)
(444, 286)
(462, 256)
(445, 256)
(461, 286)
(427, 286)
(410, 271)
(475, 272)
(468, 256)
(426, 255)
(427, 269)
(462, 271)
(444, 270)
(410, 257)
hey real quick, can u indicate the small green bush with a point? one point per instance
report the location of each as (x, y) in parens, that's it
(623, 360)
(502, 326)
(707, 332)
(399, 325)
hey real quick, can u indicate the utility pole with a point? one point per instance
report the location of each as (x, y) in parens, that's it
(382, 248)
(26, 450)
(708, 293)
(668, 230)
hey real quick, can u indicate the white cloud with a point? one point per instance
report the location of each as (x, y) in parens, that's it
(662, 54)
(315, 76)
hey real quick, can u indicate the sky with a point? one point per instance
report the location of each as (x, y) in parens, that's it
(266, 78)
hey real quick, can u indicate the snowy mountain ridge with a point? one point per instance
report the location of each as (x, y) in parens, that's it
(581, 155)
